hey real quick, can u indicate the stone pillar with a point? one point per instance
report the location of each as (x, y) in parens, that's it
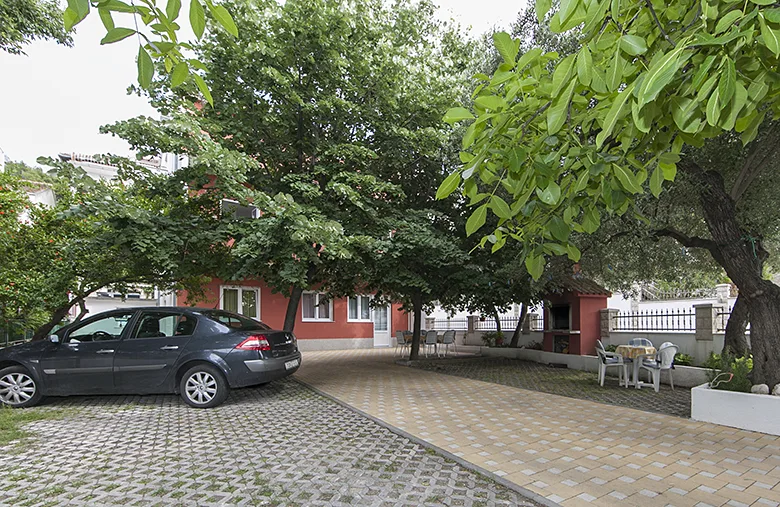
(705, 321)
(529, 317)
(723, 291)
(607, 321)
(429, 323)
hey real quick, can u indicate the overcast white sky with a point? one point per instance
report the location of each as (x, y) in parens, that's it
(55, 99)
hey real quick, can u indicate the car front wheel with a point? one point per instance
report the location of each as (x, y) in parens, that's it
(203, 386)
(18, 389)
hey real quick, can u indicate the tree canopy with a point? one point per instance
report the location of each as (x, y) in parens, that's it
(23, 21)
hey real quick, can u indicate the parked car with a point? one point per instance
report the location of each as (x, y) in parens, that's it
(196, 352)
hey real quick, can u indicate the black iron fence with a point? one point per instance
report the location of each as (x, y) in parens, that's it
(722, 319)
(448, 324)
(675, 319)
(14, 331)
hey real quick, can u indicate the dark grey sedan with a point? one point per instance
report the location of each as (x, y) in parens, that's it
(198, 353)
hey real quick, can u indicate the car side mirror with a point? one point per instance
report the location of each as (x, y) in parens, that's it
(54, 338)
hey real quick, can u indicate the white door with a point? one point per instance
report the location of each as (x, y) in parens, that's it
(381, 318)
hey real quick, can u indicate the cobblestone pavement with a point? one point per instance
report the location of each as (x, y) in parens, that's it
(282, 444)
(565, 382)
(572, 451)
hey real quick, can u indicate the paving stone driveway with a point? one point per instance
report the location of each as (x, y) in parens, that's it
(565, 382)
(282, 444)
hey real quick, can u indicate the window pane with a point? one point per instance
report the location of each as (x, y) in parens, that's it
(380, 318)
(108, 328)
(365, 311)
(249, 303)
(157, 325)
(324, 307)
(353, 308)
(307, 303)
(230, 300)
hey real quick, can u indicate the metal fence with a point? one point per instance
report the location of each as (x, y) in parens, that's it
(681, 319)
(650, 293)
(13, 332)
(448, 324)
(722, 319)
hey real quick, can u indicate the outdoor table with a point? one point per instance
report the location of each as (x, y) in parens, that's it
(631, 352)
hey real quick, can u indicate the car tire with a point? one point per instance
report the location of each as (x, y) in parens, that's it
(203, 386)
(18, 388)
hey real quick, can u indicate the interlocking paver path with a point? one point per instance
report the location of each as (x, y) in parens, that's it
(565, 382)
(281, 444)
(573, 451)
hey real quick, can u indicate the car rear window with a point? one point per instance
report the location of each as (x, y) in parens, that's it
(234, 321)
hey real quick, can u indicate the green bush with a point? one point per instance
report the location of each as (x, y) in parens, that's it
(610, 348)
(683, 359)
(493, 339)
(534, 346)
(740, 367)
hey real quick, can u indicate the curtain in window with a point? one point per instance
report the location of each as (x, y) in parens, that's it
(353, 308)
(230, 300)
(249, 303)
(324, 307)
(308, 306)
(365, 311)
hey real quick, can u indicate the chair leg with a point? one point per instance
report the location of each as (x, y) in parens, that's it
(657, 380)
(625, 376)
(671, 380)
(602, 371)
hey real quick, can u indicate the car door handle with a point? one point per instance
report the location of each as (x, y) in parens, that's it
(170, 347)
(105, 351)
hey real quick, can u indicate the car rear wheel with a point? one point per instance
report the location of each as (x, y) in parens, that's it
(18, 389)
(203, 386)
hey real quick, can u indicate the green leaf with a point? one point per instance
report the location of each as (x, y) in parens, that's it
(506, 47)
(615, 72)
(752, 130)
(591, 220)
(633, 45)
(197, 18)
(204, 89)
(542, 8)
(772, 15)
(683, 110)
(573, 252)
(456, 114)
(763, 2)
(105, 17)
(224, 18)
(529, 57)
(567, 8)
(535, 265)
(558, 228)
(728, 81)
(557, 113)
(660, 75)
(145, 68)
(77, 10)
(770, 37)
(713, 109)
(656, 181)
(180, 73)
(448, 186)
(585, 66)
(172, 9)
(500, 207)
(627, 179)
(550, 195)
(116, 34)
(69, 18)
(582, 181)
(476, 220)
(669, 170)
(727, 21)
(562, 75)
(610, 120)
(701, 72)
(493, 102)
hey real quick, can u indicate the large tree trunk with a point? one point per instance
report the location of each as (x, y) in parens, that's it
(497, 319)
(735, 343)
(292, 308)
(743, 256)
(519, 327)
(417, 310)
(59, 314)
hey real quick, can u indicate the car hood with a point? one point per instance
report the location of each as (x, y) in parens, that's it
(29, 349)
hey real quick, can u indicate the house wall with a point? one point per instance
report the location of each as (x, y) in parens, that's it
(589, 323)
(337, 333)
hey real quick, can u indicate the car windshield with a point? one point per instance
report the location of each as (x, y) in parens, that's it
(234, 321)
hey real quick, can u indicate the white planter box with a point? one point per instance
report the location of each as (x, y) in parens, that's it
(753, 412)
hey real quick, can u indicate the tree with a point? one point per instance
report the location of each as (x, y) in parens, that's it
(23, 21)
(139, 230)
(650, 82)
(339, 106)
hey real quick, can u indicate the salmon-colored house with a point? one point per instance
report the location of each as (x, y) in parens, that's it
(320, 324)
(572, 317)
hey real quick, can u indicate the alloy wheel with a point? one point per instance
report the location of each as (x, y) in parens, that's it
(201, 387)
(16, 388)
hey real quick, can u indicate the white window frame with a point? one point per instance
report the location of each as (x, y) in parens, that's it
(240, 289)
(317, 308)
(370, 310)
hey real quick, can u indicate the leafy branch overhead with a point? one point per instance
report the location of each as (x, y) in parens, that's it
(157, 30)
(572, 138)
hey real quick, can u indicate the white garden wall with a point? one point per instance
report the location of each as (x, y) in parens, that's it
(754, 412)
(699, 349)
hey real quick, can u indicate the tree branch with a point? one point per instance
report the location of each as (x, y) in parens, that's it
(753, 166)
(685, 240)
(658, 22)
(533, 117)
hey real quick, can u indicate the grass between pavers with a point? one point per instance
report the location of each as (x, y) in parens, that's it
(13, 420)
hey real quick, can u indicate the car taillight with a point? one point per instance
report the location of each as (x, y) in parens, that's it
(255, 342)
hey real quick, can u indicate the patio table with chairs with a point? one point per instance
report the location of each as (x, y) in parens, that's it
(641, 354)
(428, 339)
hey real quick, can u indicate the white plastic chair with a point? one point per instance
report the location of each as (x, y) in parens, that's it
(400, 342)
(431, 341)
(640, 342)
(660, 361)
(447, 340)
(607, 359)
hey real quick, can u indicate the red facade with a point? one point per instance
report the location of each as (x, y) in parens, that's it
(572, 317)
